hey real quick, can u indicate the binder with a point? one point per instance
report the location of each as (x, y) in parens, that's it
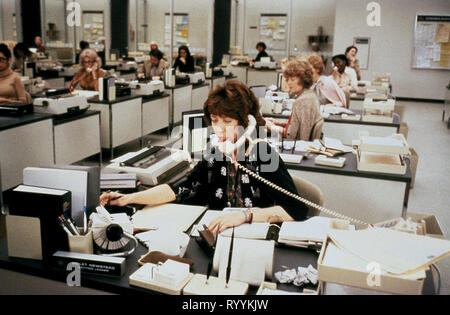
(44, 204)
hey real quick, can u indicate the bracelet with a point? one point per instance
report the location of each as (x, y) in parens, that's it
(250, 215)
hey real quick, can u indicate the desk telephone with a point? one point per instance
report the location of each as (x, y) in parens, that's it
(228, 148)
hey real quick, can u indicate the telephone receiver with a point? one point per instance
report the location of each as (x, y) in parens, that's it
(227, 147)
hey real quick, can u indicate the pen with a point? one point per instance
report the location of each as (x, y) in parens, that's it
(75, 230)
(65, 229)
(230, 254)
(84, 217)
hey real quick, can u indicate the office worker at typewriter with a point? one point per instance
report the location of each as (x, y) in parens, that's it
(218, 182)
(11, 87)
(89, 73)
(326, 89)
(156, 65)
(305, 110)
(184, 62)
(22, 54)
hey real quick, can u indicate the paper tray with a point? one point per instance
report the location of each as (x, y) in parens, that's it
(372, 162)
(358, 278)
(395, 144)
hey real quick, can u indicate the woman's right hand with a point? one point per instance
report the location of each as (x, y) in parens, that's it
(113, 198)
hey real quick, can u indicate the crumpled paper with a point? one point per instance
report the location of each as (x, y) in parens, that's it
(298, 277)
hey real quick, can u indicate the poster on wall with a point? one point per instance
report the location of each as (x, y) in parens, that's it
(272, 31)
(431, 42)
(180, 29)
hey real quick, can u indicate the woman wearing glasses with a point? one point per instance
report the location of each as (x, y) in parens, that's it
(11, 87)
(89, 73)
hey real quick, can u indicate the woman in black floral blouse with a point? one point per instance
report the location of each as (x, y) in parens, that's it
(217, 182)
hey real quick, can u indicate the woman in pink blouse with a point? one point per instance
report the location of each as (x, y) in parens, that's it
(326, 89)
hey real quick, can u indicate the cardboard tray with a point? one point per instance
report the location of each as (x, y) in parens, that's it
(364, 165)
(357, 278)
(384, 144)
(432, 224)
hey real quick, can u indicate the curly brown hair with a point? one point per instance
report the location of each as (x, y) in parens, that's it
(317, 63)
(300, 68)
(235, 100)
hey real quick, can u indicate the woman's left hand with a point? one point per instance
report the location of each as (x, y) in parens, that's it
(226, 221)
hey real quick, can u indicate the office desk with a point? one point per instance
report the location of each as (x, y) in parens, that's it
(356, 101)
(23, 276)
(155, 113)
(371, 197)
(348, 130)
(199, 95)
(121, 120)
(262, 77)
(240, 72)
(77, 137)
(181, 101)
(24, 141)
(215, 81)
(283, 256)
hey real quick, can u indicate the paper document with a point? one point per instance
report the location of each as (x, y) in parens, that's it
(396, 252)
(174, 216)
(314, 229)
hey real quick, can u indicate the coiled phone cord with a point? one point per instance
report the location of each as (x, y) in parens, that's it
(305, 201)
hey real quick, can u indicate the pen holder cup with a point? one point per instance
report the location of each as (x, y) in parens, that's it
(82, 243)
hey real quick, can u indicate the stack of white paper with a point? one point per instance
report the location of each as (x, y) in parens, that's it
(312, 232)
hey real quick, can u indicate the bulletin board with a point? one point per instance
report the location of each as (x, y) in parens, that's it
(180, 29)
(93, 28)
(431, 42)
(272, 31)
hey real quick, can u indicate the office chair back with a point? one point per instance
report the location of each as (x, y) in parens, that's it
(309, 191)
(316, 132)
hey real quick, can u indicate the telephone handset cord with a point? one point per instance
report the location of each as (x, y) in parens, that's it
(305, 201)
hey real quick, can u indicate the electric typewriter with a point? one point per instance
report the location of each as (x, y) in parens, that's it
(182, 78)
(196, 77)
(154, 165)
(61, 102)
(15, 109)
(127, 66)
(122, 89)
(265, 65)
(146, 87)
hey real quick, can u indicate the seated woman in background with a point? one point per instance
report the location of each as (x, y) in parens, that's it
(305, 110)
(184, 61)
(261, 48)
(350, 53)
(344, 76)
(326, 89)
(11, 87)
(154, 46)
(155, 66)
(89, 73)
(217, 181)
(21, 55)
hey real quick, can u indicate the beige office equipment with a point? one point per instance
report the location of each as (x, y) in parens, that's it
(24, 237)
(382, 154)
